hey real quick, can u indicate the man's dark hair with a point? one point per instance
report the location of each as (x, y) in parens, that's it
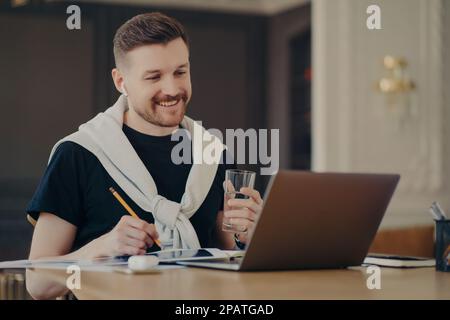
(147, 28)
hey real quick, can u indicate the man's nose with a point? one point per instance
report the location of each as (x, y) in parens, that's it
(169, 87)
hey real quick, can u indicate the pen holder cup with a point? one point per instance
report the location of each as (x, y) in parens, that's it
(442, 248)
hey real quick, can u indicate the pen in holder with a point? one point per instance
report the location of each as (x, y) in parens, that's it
(442, 250)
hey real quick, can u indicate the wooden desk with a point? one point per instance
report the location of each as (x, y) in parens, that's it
(192, 283)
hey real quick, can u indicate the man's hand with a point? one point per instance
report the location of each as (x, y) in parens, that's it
(244, 211)
(130, 236)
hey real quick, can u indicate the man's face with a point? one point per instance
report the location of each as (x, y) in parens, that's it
(158, 82)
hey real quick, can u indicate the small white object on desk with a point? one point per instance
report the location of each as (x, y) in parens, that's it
(142, 263)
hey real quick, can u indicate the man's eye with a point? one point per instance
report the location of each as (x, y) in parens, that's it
(179, 73)
(153, 78)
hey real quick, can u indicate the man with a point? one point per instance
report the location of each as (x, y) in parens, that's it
(129, 149)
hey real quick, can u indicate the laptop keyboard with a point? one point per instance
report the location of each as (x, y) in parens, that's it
(235, 260)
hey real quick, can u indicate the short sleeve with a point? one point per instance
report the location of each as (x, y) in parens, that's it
(59, 192)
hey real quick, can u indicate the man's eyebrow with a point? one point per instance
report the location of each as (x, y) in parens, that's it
(151, 71)
(184, 65)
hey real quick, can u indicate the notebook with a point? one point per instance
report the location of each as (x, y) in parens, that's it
(396, 261)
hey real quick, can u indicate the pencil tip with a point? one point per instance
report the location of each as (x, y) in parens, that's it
(112, 189)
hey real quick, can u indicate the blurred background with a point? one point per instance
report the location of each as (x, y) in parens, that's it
(346, 97)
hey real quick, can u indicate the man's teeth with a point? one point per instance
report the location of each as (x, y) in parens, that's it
(167, 103)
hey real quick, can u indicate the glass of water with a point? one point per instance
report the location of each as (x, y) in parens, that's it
(234, 181)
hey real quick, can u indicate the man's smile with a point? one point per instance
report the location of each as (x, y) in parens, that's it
(171, 102)
(168, 103)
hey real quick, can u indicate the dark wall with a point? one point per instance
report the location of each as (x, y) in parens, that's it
(46, 91)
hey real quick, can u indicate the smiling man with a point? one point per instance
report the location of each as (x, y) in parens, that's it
(128, 148)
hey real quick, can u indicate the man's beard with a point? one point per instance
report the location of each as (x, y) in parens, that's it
(162, 118)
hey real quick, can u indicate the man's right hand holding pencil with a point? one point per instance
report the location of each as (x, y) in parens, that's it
(131, 236)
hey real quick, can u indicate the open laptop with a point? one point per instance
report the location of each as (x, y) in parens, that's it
(314, 220)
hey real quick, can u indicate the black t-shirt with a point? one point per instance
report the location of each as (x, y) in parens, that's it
(75, 187)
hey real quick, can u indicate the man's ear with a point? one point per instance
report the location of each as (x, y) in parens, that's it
(118, 81)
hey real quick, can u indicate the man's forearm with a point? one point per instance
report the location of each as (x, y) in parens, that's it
(42, 288)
